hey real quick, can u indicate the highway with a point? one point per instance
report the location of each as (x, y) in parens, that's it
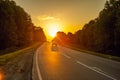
(68, 64)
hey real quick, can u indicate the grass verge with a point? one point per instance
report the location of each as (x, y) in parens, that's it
(116, 58)
(9, 56)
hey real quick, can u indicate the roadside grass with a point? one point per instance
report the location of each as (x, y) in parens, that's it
(9, 56)
(116, 58)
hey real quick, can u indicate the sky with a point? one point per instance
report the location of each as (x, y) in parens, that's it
(61, 15)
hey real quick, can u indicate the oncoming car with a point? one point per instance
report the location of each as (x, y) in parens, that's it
(54, 47)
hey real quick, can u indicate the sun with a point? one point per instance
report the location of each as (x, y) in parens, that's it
(53, 32)
(53, 29)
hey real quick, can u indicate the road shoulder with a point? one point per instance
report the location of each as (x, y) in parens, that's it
(19, 68)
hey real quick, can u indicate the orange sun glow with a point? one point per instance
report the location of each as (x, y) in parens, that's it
(53, 29)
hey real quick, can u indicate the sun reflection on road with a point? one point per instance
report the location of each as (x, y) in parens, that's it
(53, 58)
(1, 76)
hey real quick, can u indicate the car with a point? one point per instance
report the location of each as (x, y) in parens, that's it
(54, 47)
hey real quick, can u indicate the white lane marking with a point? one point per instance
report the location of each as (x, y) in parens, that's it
(33, 69)
(37, 66)
(66, 56)
(96, 70)
(62, 53)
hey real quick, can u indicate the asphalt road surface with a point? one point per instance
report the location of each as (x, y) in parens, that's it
(67, 64)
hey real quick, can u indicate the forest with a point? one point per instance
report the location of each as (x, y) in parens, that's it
(101, 34)
(16, 27)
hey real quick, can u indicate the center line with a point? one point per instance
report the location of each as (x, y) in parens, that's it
(66, 56)
(96, 70)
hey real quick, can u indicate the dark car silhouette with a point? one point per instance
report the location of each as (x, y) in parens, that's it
(54, 47)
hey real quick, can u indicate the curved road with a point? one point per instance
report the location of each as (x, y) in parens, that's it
(68, 64)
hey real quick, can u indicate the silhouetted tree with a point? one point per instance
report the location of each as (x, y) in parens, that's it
(103, 33)
(16, 27)
(8, 27)
(39, 35)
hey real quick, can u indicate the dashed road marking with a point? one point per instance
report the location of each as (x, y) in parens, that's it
(66, 56)
(95, 69)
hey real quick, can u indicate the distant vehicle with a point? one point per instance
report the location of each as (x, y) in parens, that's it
(54, 44)
(54, 47)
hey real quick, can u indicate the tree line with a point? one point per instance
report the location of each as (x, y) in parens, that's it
(16, 27)
(101, 34)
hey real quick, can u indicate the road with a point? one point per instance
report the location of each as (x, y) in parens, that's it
(68, 64)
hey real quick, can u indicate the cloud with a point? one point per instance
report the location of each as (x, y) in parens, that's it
(48, 18)
(44, 18)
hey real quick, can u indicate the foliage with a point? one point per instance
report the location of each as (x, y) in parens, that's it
(16, 27)
(103, 33)
(39, 35)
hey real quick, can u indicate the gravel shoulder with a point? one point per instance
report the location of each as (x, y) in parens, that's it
(20, 68)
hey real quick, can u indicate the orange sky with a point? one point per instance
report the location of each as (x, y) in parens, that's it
(63, 15)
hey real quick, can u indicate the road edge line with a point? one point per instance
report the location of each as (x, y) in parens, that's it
(36, 66)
